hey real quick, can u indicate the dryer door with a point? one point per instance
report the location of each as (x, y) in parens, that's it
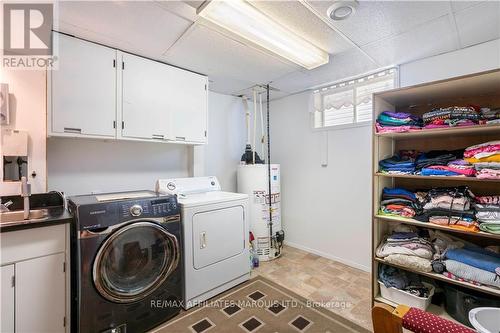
(217, 235)
(134, 260)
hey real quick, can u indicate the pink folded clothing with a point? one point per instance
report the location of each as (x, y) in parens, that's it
(395, 129)
(469, 172)
(487, 147)
(488, 174)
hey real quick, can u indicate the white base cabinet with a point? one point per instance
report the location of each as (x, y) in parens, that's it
(101, 92)
(34, 280)
(7, 281)
(40, 294)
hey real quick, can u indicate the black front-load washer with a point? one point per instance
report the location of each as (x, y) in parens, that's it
(126, 261)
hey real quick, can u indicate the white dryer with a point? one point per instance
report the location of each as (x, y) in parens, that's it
(215, 236)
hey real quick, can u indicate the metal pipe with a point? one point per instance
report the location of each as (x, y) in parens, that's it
(254, 123)
(247, 117)
(263, 135)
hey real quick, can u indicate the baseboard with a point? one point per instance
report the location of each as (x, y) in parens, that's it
(329, 256)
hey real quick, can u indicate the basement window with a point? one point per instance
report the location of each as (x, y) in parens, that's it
(349, 103)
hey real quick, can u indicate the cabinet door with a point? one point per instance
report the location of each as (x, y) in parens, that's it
(40, 294)
(83, 89)
(189, 106)
(145, 99)
(7, 302)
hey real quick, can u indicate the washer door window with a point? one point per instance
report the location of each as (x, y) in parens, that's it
(134, 261)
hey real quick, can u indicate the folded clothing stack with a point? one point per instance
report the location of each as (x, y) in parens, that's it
(488, 213)
(456, 168)
(486, 159)
(402, 163)
(399, 202)
(487, 170)
(474, 264)
(450, 117)
(389, 121)
(408, 248)
(399, 279)
(450, 207)
(490, 116)
(436, 157)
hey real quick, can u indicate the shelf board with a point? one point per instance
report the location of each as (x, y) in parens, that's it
(452, 178)
(429, 225)
(462, 131)
(441, 277)
(434, 309)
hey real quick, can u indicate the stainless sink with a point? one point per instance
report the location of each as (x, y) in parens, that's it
(18, 215)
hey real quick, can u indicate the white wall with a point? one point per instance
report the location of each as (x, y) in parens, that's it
(474, 59)
(328, 210)
(227, 138)
(325, 210)
(78, 166)
(27, 112)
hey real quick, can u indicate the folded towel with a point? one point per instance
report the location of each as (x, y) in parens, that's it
(482, 261)
(491, 227)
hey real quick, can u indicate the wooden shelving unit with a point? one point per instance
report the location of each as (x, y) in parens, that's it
(478, 89)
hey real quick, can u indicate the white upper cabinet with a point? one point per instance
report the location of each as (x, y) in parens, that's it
(83, 89)
(188, 106)
(145, 98)
(104, 93)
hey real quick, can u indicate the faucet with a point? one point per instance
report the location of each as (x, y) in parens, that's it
(4, 207)
(25, 193)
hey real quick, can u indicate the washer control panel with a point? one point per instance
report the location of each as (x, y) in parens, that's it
(162, 206)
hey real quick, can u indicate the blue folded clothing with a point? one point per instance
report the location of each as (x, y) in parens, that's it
(437, 172)
(398, 192)
(482, 261)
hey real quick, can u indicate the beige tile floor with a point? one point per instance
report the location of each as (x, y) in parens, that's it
(342, 289)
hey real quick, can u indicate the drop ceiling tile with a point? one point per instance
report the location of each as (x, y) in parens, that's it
(210, 52)
(375, 20)
(432, 38)
(138, 27)
(478, 24)
(348, 64)
(297, 18)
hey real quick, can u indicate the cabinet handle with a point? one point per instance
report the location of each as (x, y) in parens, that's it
(114, 123)
(72, 130)
(158, 136)
(180, 138)
(203, 240)
(114, 63)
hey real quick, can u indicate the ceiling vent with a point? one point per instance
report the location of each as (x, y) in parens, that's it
(340, 10)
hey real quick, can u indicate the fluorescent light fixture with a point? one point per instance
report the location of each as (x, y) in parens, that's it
(241, 18)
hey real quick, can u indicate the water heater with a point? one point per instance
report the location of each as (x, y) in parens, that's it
(253, 180)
